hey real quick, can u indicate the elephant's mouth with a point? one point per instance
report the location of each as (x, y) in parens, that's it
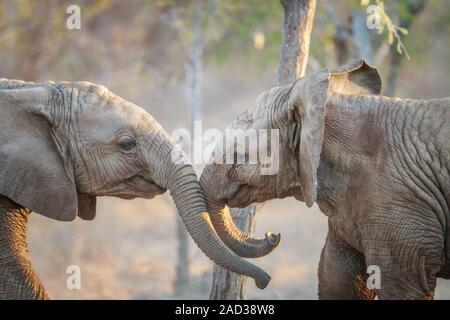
(241, 198)
(247, 194)
(137, 187)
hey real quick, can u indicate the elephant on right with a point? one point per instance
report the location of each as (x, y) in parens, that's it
(378, 168)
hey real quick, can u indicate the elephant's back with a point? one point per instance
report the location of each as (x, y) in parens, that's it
(10, 84)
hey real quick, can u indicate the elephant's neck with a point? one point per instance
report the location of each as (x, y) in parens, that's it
(17, 278)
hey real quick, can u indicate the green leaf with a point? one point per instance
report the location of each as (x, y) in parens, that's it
(403, 30)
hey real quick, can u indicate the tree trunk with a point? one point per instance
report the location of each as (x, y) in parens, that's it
(341, 44)
(396, 61)
(342, 36)
(229, 285)
(298, 22)
(193, 74)
(352, 39)
(362, 37)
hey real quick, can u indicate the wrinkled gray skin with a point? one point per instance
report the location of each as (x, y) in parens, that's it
(64, 144)
(378, 167)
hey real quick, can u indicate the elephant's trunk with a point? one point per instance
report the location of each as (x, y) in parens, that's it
(17, 278)
(241, 243)
(181, 180)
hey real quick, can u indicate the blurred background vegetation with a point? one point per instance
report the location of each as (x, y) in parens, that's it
(142, 51)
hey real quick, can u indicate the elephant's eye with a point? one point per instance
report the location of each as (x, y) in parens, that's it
(127, 144)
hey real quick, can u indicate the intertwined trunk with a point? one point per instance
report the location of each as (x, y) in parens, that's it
(181, 180)
(17, 278)
(190, 203)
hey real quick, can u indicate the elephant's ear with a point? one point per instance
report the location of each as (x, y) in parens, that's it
(309, 97)
(35, 170)
(356, 78)
(87, 205)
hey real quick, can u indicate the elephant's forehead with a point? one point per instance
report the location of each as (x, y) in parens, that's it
(266, 99)
(257, 114)
(101, 121)
(243, 121)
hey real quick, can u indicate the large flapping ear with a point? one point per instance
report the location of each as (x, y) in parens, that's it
(355, 78)
(309, 97)
(34, 171)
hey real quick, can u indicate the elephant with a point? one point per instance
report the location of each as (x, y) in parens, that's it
(377, 167)
(64, 144)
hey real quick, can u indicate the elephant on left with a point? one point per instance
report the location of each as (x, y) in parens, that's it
(64, 144)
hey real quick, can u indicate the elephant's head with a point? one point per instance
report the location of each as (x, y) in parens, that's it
(298, 113)
(64, 144)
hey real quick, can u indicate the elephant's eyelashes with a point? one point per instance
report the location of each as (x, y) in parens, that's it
(127, 144)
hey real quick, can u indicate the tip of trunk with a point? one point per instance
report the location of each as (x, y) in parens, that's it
(239, 242)
(263, 280)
